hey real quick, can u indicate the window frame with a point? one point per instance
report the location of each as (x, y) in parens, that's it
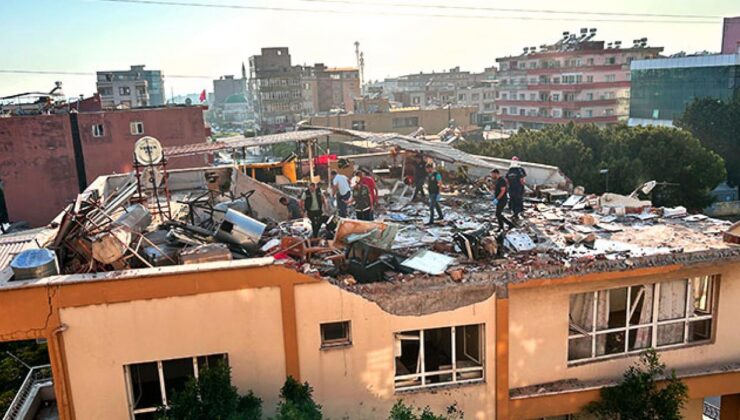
(98, 130)
(454, 370)
(687, 319)
(162, 385)
(134, 128)
(332, 344)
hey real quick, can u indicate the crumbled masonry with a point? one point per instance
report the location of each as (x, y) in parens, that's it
(219, 215)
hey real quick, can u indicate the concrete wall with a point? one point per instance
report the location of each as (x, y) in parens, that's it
(101, 339)
(37, 163)
(731, 35)
(357, 381)
(539, 331)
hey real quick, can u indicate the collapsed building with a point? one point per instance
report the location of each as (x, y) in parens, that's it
(148, 277)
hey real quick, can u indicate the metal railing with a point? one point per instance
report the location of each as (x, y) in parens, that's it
(711, 411)
(27, 391)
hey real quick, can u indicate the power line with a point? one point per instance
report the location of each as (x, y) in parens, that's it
(387, 13)
(79, 73)
(517, 10)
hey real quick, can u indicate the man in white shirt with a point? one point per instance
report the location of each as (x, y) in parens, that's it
(342, 191)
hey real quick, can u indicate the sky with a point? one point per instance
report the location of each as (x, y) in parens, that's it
(205, 42)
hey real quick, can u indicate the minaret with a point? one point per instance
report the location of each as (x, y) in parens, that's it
(244, 71)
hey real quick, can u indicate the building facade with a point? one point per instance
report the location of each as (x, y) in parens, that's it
(226, 86)
(331, 89)
(663, 87)
(576, 79)
(50, 158)
(284, 93)
(538, 348)
(731, 35)
(277, 89)
(134, 88)
(400, 120)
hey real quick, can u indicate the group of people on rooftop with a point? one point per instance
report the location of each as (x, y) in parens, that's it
(362, 193)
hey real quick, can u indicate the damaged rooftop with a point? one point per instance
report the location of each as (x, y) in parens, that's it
(214, 217)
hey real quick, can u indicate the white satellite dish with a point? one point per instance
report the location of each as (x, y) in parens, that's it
(148, 151)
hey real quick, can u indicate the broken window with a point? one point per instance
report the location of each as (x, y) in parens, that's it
(98, 130)
(151, 383)
(630, 319)
(335, 334)
(439, 356)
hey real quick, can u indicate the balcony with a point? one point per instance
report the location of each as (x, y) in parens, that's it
(565, 86)
(36, 389)
(562, 104)
(558, 120)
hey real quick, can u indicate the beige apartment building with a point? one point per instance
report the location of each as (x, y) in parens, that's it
(523, 338)
(400, 120)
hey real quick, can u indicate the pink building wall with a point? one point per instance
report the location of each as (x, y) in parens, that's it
(37, 160)
(731, 36)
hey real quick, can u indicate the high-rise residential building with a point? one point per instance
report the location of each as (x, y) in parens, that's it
(284, 93)
(575, 79)
(276, 88)
(663, 87)
(331, 88)
(134, 88)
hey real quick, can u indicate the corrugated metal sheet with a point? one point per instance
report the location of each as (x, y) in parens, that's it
(241, 141)
(438, 150)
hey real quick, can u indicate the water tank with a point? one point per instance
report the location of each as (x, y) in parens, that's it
(34, 264)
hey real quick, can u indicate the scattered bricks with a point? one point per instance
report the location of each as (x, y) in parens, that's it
(457, 274)
(588, 219)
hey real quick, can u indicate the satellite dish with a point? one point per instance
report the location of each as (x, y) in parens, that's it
(148, 151)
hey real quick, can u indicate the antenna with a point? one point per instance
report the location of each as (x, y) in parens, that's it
(359, 57)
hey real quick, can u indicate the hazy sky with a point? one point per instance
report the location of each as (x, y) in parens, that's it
(90, 35)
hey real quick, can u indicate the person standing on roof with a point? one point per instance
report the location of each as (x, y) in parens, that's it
(420, 175)
(314, 204)
(516, 178)
(372, 189)
(499, 199)
(293, 207)
(434, 185)
(342, 191)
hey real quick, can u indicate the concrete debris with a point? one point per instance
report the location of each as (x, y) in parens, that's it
(679, 211)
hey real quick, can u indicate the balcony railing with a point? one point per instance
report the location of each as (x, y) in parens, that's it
(711, 411)
(37, 376)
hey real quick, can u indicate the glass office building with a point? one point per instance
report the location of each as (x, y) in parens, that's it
(662, 88)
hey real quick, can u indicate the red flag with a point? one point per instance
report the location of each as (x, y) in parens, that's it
(203, 96)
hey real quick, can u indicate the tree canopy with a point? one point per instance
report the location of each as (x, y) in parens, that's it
(296, 402)
(212, 397)
(717, 125)
(639, 396)
(633, 155)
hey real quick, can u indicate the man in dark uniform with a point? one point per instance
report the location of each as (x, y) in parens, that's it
(434, 184)
(515, 177)
(420, 175)
(313, 204)
(499, 199)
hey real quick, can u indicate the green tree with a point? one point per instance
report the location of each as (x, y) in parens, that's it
(632, 156)
(296, 402)
(639, 396)
(401, 411)
(717, 125)
(212, 397)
